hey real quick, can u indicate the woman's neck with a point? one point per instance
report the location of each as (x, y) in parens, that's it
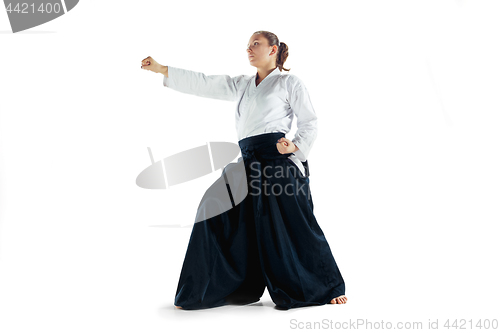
(263, 72)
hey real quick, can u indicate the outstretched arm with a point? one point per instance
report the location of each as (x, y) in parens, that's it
(212, 86)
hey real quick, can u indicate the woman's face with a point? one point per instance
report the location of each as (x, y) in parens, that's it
(260, 54)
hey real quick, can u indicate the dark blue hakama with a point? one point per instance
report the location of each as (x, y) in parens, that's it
(270, 239)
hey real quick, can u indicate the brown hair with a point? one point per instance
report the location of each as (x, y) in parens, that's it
(282, 48)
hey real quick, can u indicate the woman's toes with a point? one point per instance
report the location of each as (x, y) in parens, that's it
(339, 300)
(178, 307)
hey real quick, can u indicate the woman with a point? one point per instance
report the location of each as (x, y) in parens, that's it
(271, 239)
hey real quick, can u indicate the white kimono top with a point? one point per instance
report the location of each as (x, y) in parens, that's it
(268, 107)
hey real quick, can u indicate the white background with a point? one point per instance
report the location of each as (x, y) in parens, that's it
(404, 172)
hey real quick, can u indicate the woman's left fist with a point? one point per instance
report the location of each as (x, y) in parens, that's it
(285, 146)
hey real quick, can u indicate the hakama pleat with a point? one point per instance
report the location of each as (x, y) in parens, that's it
(270, 239)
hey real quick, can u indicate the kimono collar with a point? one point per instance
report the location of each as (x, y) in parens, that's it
(276, 71)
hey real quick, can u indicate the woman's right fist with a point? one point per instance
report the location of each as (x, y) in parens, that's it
(151, 65)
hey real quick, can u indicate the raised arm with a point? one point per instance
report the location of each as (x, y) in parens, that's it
(211, 86)
(307, 121)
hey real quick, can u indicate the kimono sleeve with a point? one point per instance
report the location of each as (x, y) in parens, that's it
(307, 121)
(211, 86)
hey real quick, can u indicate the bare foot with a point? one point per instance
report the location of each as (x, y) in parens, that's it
(339, 300)
(178, 307)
